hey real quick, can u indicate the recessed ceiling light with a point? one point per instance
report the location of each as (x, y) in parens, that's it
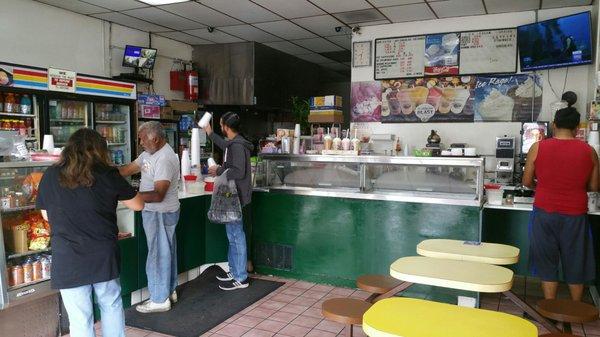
(162, 2)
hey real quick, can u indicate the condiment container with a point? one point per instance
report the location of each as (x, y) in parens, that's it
(346, 143)
(17, 275)
(37, 270)
(46, 264)
(28, 271)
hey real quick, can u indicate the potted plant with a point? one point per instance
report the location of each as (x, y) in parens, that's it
(300, 109)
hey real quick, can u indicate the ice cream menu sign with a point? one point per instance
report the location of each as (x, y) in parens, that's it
(399, 57)
(488, 51)
(515, 98)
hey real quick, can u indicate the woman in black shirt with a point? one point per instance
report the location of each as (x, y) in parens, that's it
(79, 196)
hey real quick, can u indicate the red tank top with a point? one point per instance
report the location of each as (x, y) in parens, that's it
(563, 168)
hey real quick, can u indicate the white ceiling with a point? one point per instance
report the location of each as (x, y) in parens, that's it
(305, 28)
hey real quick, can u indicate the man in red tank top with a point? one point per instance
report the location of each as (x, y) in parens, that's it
(563, 169)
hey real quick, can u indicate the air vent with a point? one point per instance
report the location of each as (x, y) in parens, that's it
(366, 15)
(274, 255)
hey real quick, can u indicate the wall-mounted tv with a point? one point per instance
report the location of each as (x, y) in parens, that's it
(560, 42)
(139, 57)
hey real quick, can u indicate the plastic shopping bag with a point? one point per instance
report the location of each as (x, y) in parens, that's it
(225, 204)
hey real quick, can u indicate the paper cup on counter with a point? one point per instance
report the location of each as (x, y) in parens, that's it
(48, 143)
(205, 120)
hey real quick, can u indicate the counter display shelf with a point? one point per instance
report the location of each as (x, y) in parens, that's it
(450, 181)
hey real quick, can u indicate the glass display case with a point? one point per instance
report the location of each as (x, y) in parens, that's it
(25, 256)
(66, 117)
(457, 181)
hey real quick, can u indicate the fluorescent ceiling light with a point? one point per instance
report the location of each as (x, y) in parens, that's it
(162, 2)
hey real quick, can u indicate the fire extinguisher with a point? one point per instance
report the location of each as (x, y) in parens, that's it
(190, 89)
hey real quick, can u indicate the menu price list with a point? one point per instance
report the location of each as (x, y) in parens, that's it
(488, 51)
(399, 57)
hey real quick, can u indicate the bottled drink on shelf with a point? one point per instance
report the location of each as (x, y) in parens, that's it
(1, 102)
(10, 103)
(17, 106)
(25, 104)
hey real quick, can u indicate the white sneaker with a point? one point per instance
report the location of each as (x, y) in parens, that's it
(225, 277)
(173, 296)
(149, 307)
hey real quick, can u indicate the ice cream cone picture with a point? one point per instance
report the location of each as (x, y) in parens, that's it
(448, 95)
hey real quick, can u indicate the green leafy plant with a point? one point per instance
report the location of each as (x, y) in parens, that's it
(300, 109)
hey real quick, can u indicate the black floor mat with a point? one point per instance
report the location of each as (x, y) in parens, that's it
(201, 306)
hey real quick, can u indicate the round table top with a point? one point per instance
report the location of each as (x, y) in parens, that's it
(453, 274)
(377, 284)
(491, 253)
(569, 311)
(408, 317)
(345, 310)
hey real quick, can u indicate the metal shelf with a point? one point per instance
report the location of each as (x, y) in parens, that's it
(110, 122)
(18, 209)
(24, 285)
(10, 114)
(31, 252)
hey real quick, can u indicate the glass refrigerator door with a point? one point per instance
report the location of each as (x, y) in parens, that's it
(66, 117)
(112, 122)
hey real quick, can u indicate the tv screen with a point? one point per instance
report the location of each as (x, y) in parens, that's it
(560, 42)
(139, 57)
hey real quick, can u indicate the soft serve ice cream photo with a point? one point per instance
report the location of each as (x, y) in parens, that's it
(507, 98)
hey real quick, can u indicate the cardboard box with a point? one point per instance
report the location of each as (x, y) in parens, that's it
(166, 112)
(326, 118)
(330, 112)
(323, 101)
(183, 105)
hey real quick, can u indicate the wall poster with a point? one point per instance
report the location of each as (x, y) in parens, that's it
(441, 54)
(399, 57)
(441, 99)
(488, 51)
(516, 98)
(366, 101)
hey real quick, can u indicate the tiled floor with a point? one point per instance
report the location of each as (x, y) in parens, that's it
(293, 310)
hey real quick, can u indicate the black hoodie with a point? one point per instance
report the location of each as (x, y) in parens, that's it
(237, 162)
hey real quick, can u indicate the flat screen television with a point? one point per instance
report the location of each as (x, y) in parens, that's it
(560, 42)
(139, 57)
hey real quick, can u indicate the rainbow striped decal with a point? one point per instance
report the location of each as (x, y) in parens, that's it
(104, 87)
(30, 78)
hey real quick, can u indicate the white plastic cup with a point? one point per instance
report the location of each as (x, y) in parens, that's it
(211, 162)
(48, 143)
(205, 120)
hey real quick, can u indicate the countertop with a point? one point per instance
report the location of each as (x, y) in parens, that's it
(521, 207)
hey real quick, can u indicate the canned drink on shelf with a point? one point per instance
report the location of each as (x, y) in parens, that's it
(46, 264)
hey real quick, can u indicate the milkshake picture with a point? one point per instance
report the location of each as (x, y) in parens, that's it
(393, 102)
(406, 102)
(434, 97)
(448, 95)
(460, 100)
(419, 95)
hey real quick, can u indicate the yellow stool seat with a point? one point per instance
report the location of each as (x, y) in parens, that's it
(491, 253)
(408, 317)
(463, 275)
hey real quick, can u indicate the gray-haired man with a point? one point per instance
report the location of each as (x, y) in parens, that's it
(159, 165)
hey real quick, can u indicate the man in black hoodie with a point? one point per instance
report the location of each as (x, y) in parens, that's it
(236, 161)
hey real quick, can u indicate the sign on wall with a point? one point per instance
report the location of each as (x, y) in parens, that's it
(366, 101)
(61, 80)
(441, 54)
(399, 57)
(488, 51)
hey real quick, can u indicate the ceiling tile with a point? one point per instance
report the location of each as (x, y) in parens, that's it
(366, 15)
(201, 13)
(319, 45)
(453, 8)
(503, 6)
(216, 36)
(406, 13)
(250, 33)
(163, 18)
(287, 47)
(335, 66)
(336, 6)
(75, 6)
(315, 58)
(285, 29)
(323, 25)
(185, 38)
(343, 40)
(242, 10)
(564, 3)
(128, 21)
(117, 5)
(387, 3)
(375, 23)
(290, 8)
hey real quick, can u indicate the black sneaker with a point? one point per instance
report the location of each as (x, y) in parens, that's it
(225, 277)
(234, 285)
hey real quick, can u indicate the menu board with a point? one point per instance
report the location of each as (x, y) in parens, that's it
(399, 57)
(488, 51)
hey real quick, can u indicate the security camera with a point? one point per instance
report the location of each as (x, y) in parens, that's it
(356, 30)
(211, 29)
(338, 29)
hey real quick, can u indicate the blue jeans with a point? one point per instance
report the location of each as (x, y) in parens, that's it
(161, 265)
(237, 254)
(78, 302)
